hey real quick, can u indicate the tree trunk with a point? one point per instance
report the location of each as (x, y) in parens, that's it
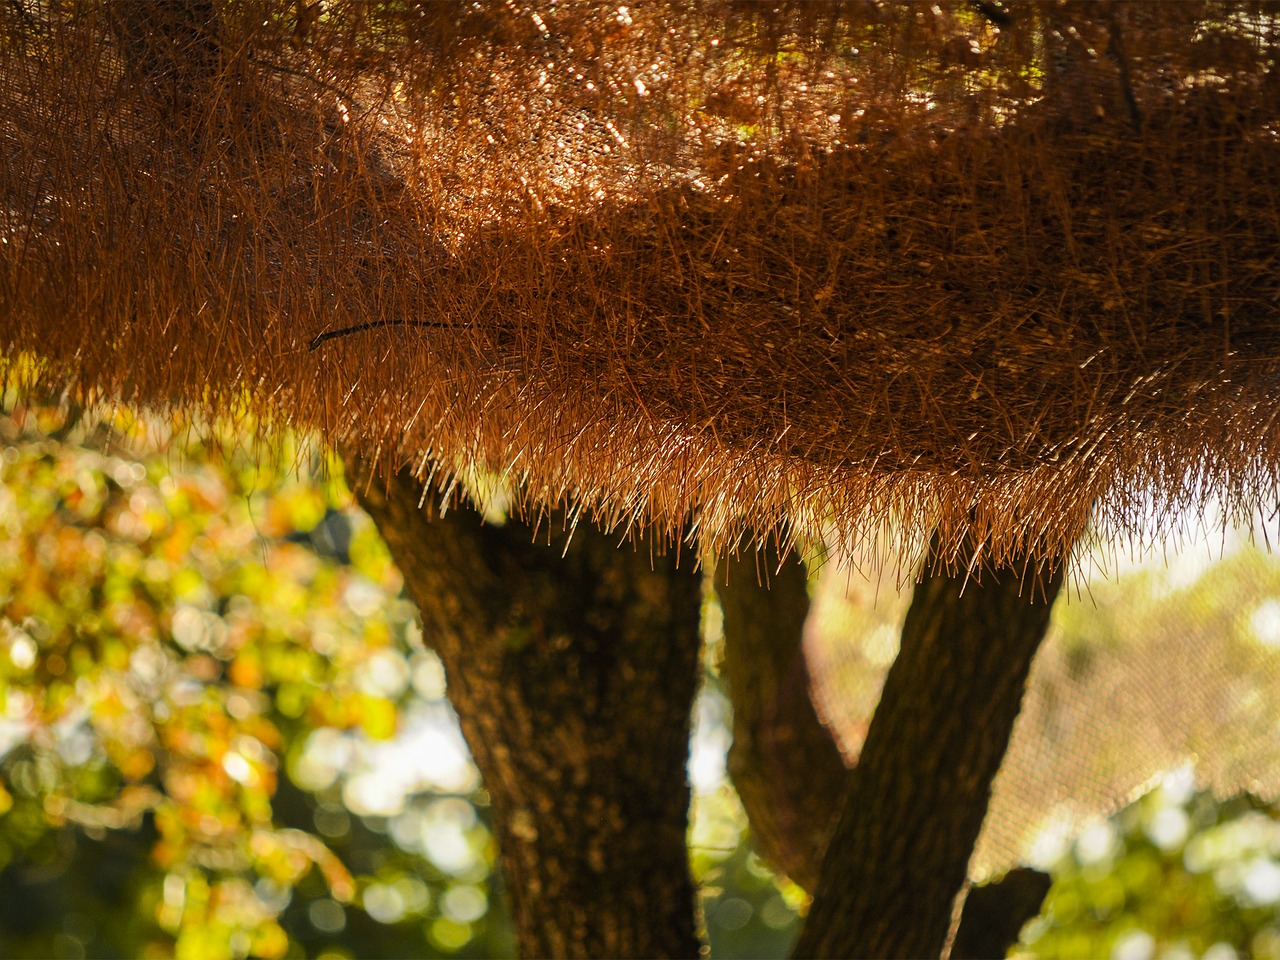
(916, 800)
(573, 675)
(784, 762)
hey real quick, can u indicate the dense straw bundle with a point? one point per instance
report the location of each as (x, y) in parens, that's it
(999, 268)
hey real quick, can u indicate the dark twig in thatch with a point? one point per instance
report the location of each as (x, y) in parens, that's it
(374, 325)
(1115, 50)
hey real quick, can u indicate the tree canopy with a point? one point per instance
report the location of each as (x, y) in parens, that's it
(992, 269)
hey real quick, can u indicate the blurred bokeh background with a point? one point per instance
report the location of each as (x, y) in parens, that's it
(222, 733)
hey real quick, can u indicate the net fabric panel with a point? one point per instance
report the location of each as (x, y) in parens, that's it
(1144, 671)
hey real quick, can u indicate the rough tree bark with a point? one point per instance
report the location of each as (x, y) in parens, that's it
(573, 674)
(916, 800)
(784, 762)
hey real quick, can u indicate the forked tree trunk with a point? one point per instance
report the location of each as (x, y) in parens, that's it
(573, 675)
(784, 762)
(917, 798)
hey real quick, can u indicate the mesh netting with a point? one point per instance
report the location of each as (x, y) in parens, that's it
(1145, 670)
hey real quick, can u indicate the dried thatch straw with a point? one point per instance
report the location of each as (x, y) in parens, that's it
(999, 268)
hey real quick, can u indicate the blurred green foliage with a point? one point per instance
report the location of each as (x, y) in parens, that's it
(200, 648)
(747, 910)
(1177, 874)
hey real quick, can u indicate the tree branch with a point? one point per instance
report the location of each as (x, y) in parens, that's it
(784, 762)
(917, 798)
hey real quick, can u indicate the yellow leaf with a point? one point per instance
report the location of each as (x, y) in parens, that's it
(245, 672)
(378, 718)
(269, 941)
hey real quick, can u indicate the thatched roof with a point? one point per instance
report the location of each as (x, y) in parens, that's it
(1004, 267)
